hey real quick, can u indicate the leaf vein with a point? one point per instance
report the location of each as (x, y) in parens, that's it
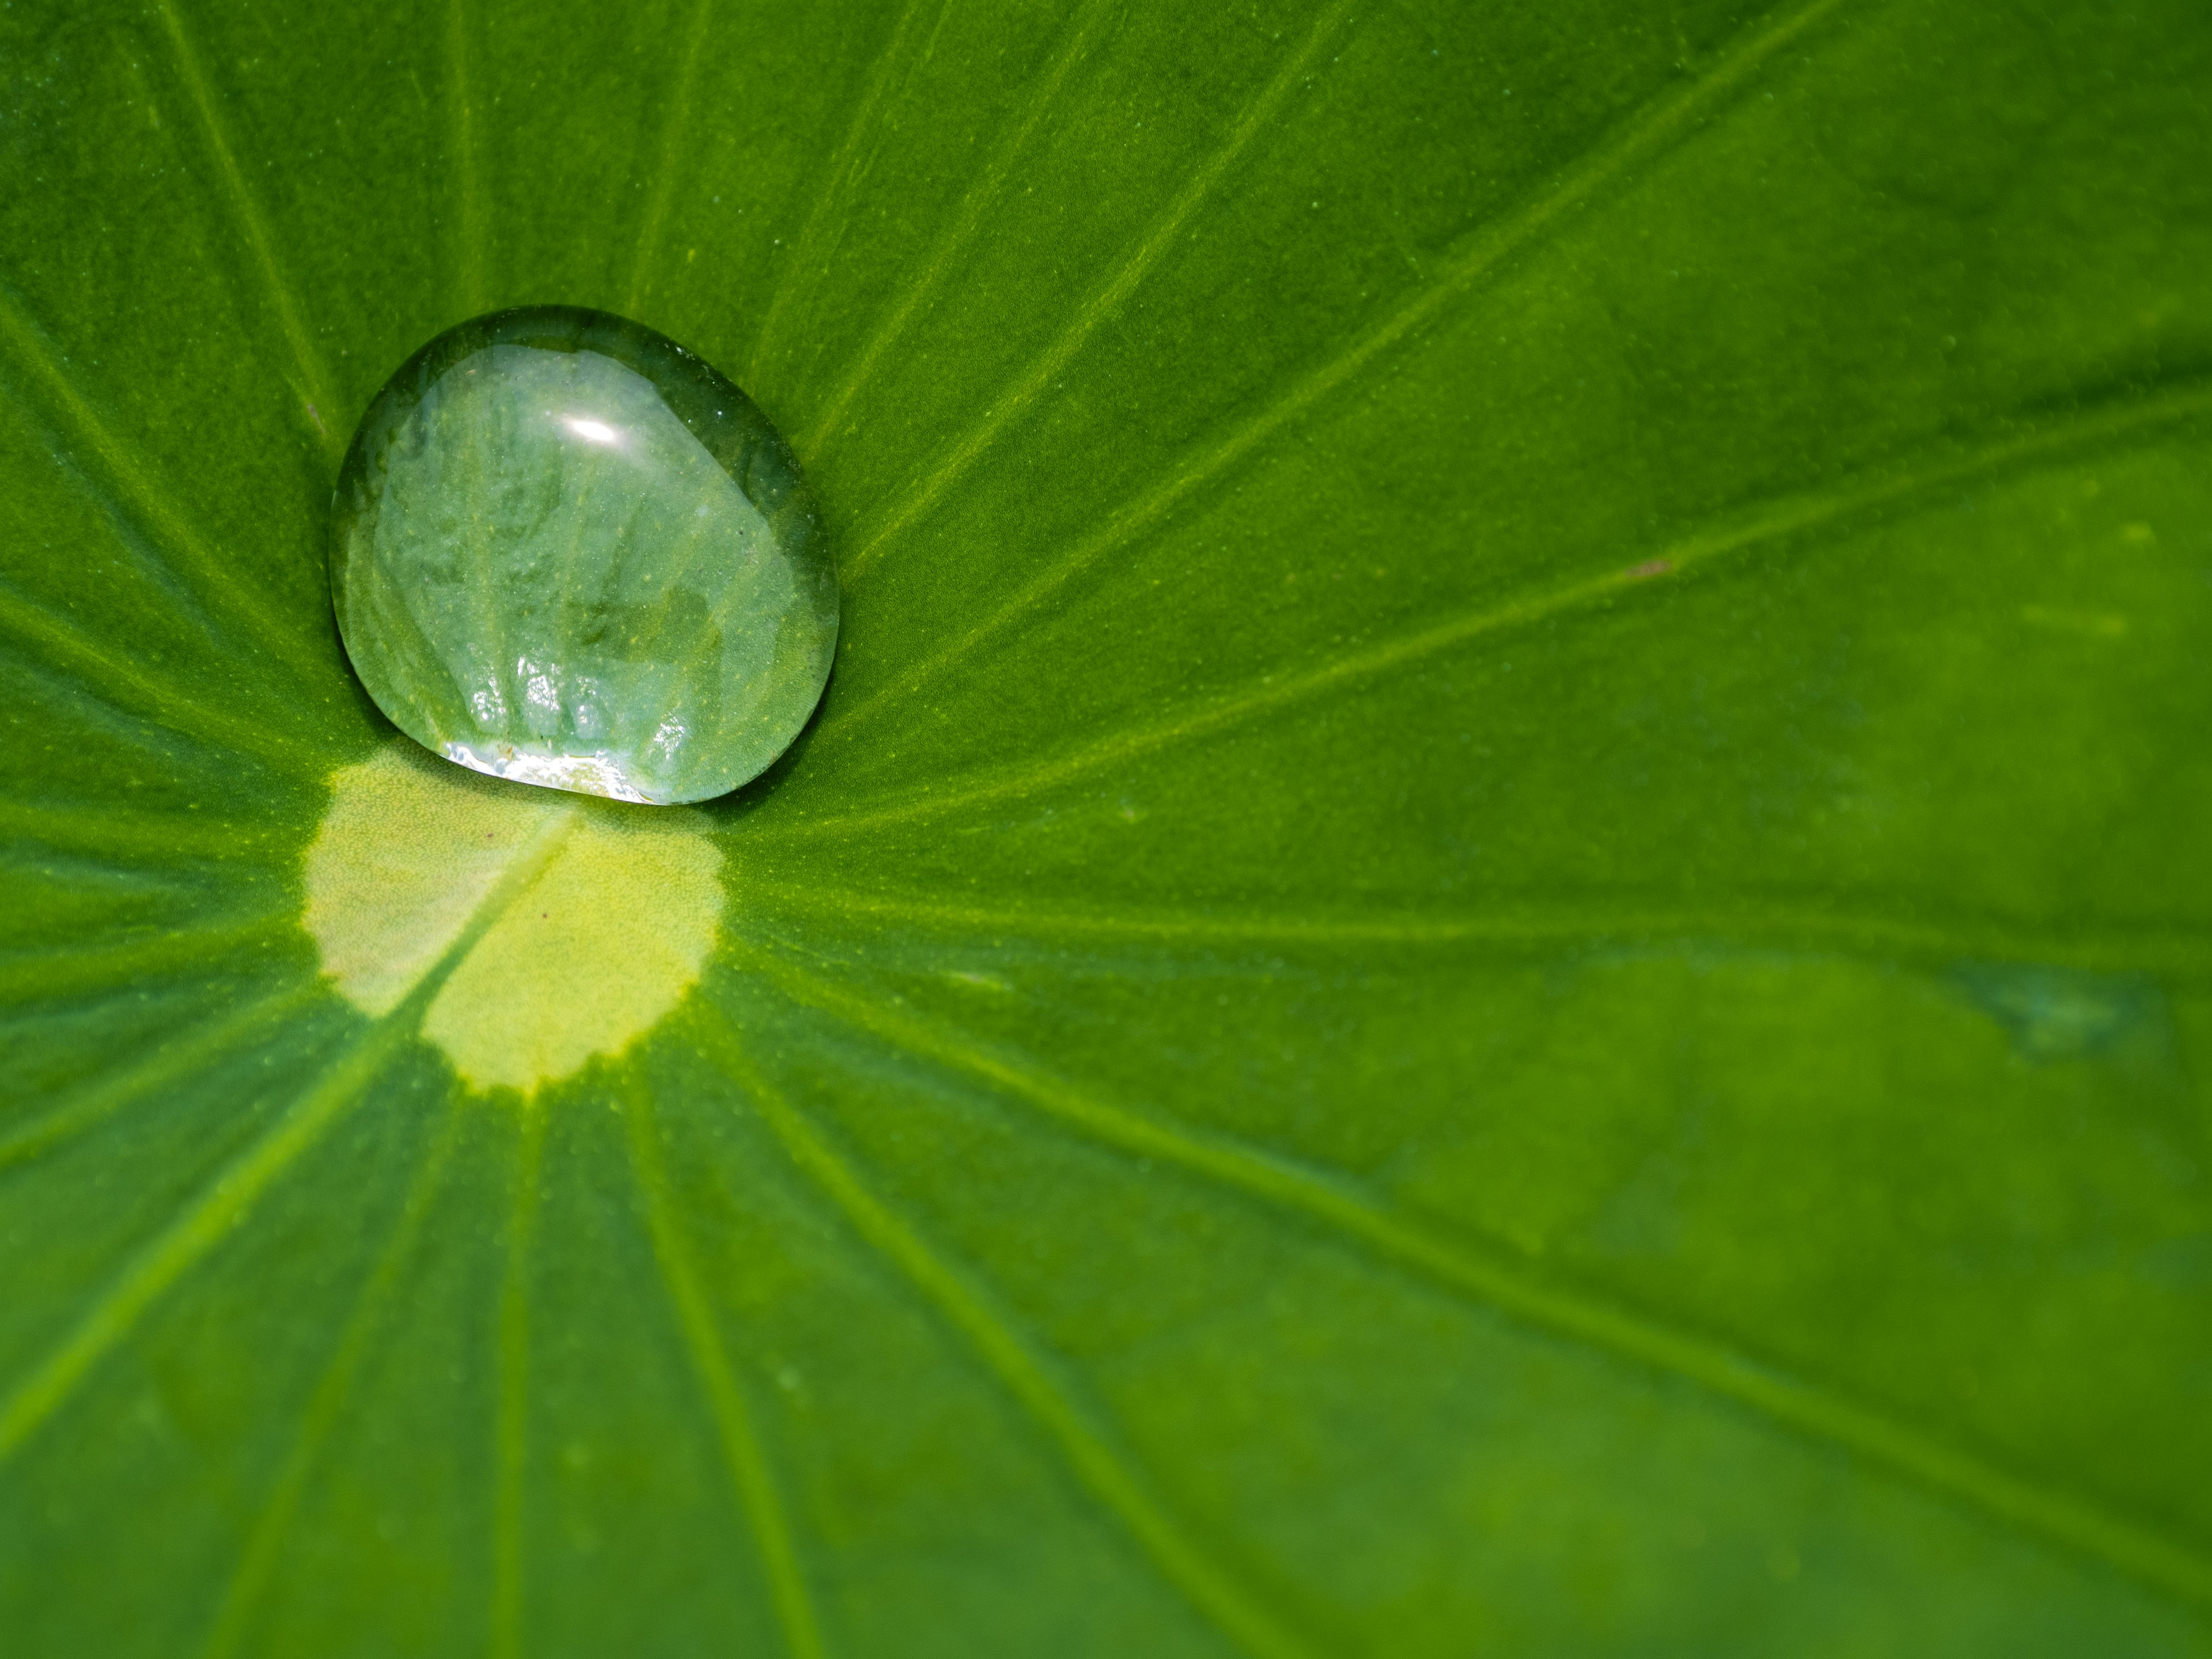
(966, 219)
(152, 504)
(90, 1107)
(1104, 301)
(718, 1380)
(314, 381)
(511, 1427)
(1786, 517)
(1780, 924)
(1489, 1276)
(94, 670)
(249, 1578)
(1097, 1467)
(1485, 250)
(470, 254)
(115, 1312)
(225, 1204)
(672, 135)
(25, 975)
(837, 178)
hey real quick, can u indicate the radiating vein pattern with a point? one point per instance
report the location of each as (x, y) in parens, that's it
(265, 1545)
(115, 1312)
(1803, 925)
(718, 1378)
(1484, 253)
(272, 630)
(1763, 527)
(512, 1448)
(1505, 948)
(1103, 302)
(674, 125)
(319, 403)
(835, 182)
(468, 236)
(1096, 1463)
(156, 839)
(101, 672)
(120, 963)
(1798, 1403)
(1077, 35)
(215, 1042)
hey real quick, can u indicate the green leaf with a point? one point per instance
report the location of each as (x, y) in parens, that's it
(1497, 938)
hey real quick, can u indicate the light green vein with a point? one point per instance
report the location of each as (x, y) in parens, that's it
(836, 180)
(718, 1380)
(1042, 95)
(44, 975)
(1484, 252)
(314, 383)
(216, 582)
(1785, 518)
(1095, 1464)
(170, 1060)
(1103, 302)
(150, 837)
(66, 875)
(100, 672)
(468, 257)
(512, 1428)
(46, 696)
(672, 135)
(217, 1214)
(251, 1577)
(229, 1201)
(1783, 925)
(1509, 1284)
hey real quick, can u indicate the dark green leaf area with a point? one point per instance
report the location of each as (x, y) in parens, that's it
(1495, 939)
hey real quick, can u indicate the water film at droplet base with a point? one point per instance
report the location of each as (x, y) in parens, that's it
(566, 550)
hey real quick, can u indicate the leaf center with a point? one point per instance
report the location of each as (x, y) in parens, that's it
(561, 927)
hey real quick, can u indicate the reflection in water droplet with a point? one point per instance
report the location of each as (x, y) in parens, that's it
(565, 550)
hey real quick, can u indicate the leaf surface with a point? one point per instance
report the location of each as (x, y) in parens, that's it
(1497, 938)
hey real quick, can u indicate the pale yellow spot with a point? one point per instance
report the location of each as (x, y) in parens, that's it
(570, 925)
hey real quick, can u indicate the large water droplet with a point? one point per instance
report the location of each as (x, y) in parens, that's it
(565, 550)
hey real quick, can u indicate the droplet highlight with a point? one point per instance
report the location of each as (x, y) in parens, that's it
(567, 551)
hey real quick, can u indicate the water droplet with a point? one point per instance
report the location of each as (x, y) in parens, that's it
(567, 551)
